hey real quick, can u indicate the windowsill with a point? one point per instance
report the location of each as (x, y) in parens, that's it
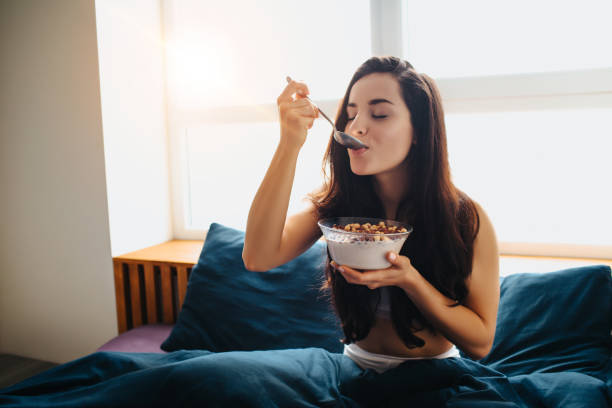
(188, 252)
(175, 251)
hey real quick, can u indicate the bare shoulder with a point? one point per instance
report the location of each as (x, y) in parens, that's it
(485, 244)
(483, 284)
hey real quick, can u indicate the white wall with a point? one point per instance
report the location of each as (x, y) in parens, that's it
(57, 297)
(134, 119)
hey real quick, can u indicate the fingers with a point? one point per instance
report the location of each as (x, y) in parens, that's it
(300, 113)
(393, 258)
(342, 268)
(397, 259)
(352, 275)
(371, 278)
(298, 119)
(378, 277)
(301, 107)
(368, 278)
(292, 88)
(304, 107)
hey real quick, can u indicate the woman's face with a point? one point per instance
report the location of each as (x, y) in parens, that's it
(378, 117)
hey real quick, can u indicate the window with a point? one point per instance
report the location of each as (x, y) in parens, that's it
(541, 175)
(480, 38)
(224, 76)
(222, 182)
(527, 90)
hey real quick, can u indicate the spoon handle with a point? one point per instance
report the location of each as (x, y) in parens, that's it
(320, 111)
(342, 138)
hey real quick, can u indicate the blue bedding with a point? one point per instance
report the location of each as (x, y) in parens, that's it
(247, 339)
(309, 377)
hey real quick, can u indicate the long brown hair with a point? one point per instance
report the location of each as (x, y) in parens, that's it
(445, 219)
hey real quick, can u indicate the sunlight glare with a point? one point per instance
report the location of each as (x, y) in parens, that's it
(196, 72)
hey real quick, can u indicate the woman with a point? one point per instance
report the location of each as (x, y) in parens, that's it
(441, 291)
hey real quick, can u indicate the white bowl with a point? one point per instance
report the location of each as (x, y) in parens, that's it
(362, 250)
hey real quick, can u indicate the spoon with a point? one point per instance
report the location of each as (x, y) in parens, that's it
(344, 139)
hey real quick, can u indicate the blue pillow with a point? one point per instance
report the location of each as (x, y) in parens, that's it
(229, 308)
(554, 322)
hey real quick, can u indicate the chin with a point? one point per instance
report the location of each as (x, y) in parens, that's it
(360, 171)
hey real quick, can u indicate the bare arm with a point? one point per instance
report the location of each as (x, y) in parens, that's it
(271, 239)
(470, 327)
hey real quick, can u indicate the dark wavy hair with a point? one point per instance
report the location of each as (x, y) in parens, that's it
(445, 219)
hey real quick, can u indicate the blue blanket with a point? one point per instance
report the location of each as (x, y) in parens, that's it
(309, 377)
(552, 348)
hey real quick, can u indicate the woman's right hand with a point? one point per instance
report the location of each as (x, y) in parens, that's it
(297, 114)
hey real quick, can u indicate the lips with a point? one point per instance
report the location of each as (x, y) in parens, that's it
(359, 152)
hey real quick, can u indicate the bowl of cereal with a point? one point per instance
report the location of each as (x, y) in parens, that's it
(363, 243)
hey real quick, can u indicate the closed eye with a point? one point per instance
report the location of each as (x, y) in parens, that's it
(374, 116)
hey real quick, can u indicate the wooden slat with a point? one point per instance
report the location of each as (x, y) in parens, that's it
(120, 296)
(149, 279)
(166, 285)
(181, 282)
(135, 295)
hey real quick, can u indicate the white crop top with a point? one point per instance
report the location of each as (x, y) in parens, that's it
(384, 306)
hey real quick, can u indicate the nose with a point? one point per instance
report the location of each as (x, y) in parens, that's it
(357, 127)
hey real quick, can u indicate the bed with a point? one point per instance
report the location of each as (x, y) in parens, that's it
(271, 339)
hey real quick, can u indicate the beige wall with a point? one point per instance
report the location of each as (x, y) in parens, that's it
(56, 285)
(132, 85)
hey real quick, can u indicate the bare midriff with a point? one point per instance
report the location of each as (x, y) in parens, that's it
(383, 339)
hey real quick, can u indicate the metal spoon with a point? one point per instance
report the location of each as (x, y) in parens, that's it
(344, 139)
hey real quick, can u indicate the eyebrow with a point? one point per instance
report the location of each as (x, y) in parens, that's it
(372, 102)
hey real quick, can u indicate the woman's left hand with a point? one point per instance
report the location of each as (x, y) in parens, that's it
(401, 273)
